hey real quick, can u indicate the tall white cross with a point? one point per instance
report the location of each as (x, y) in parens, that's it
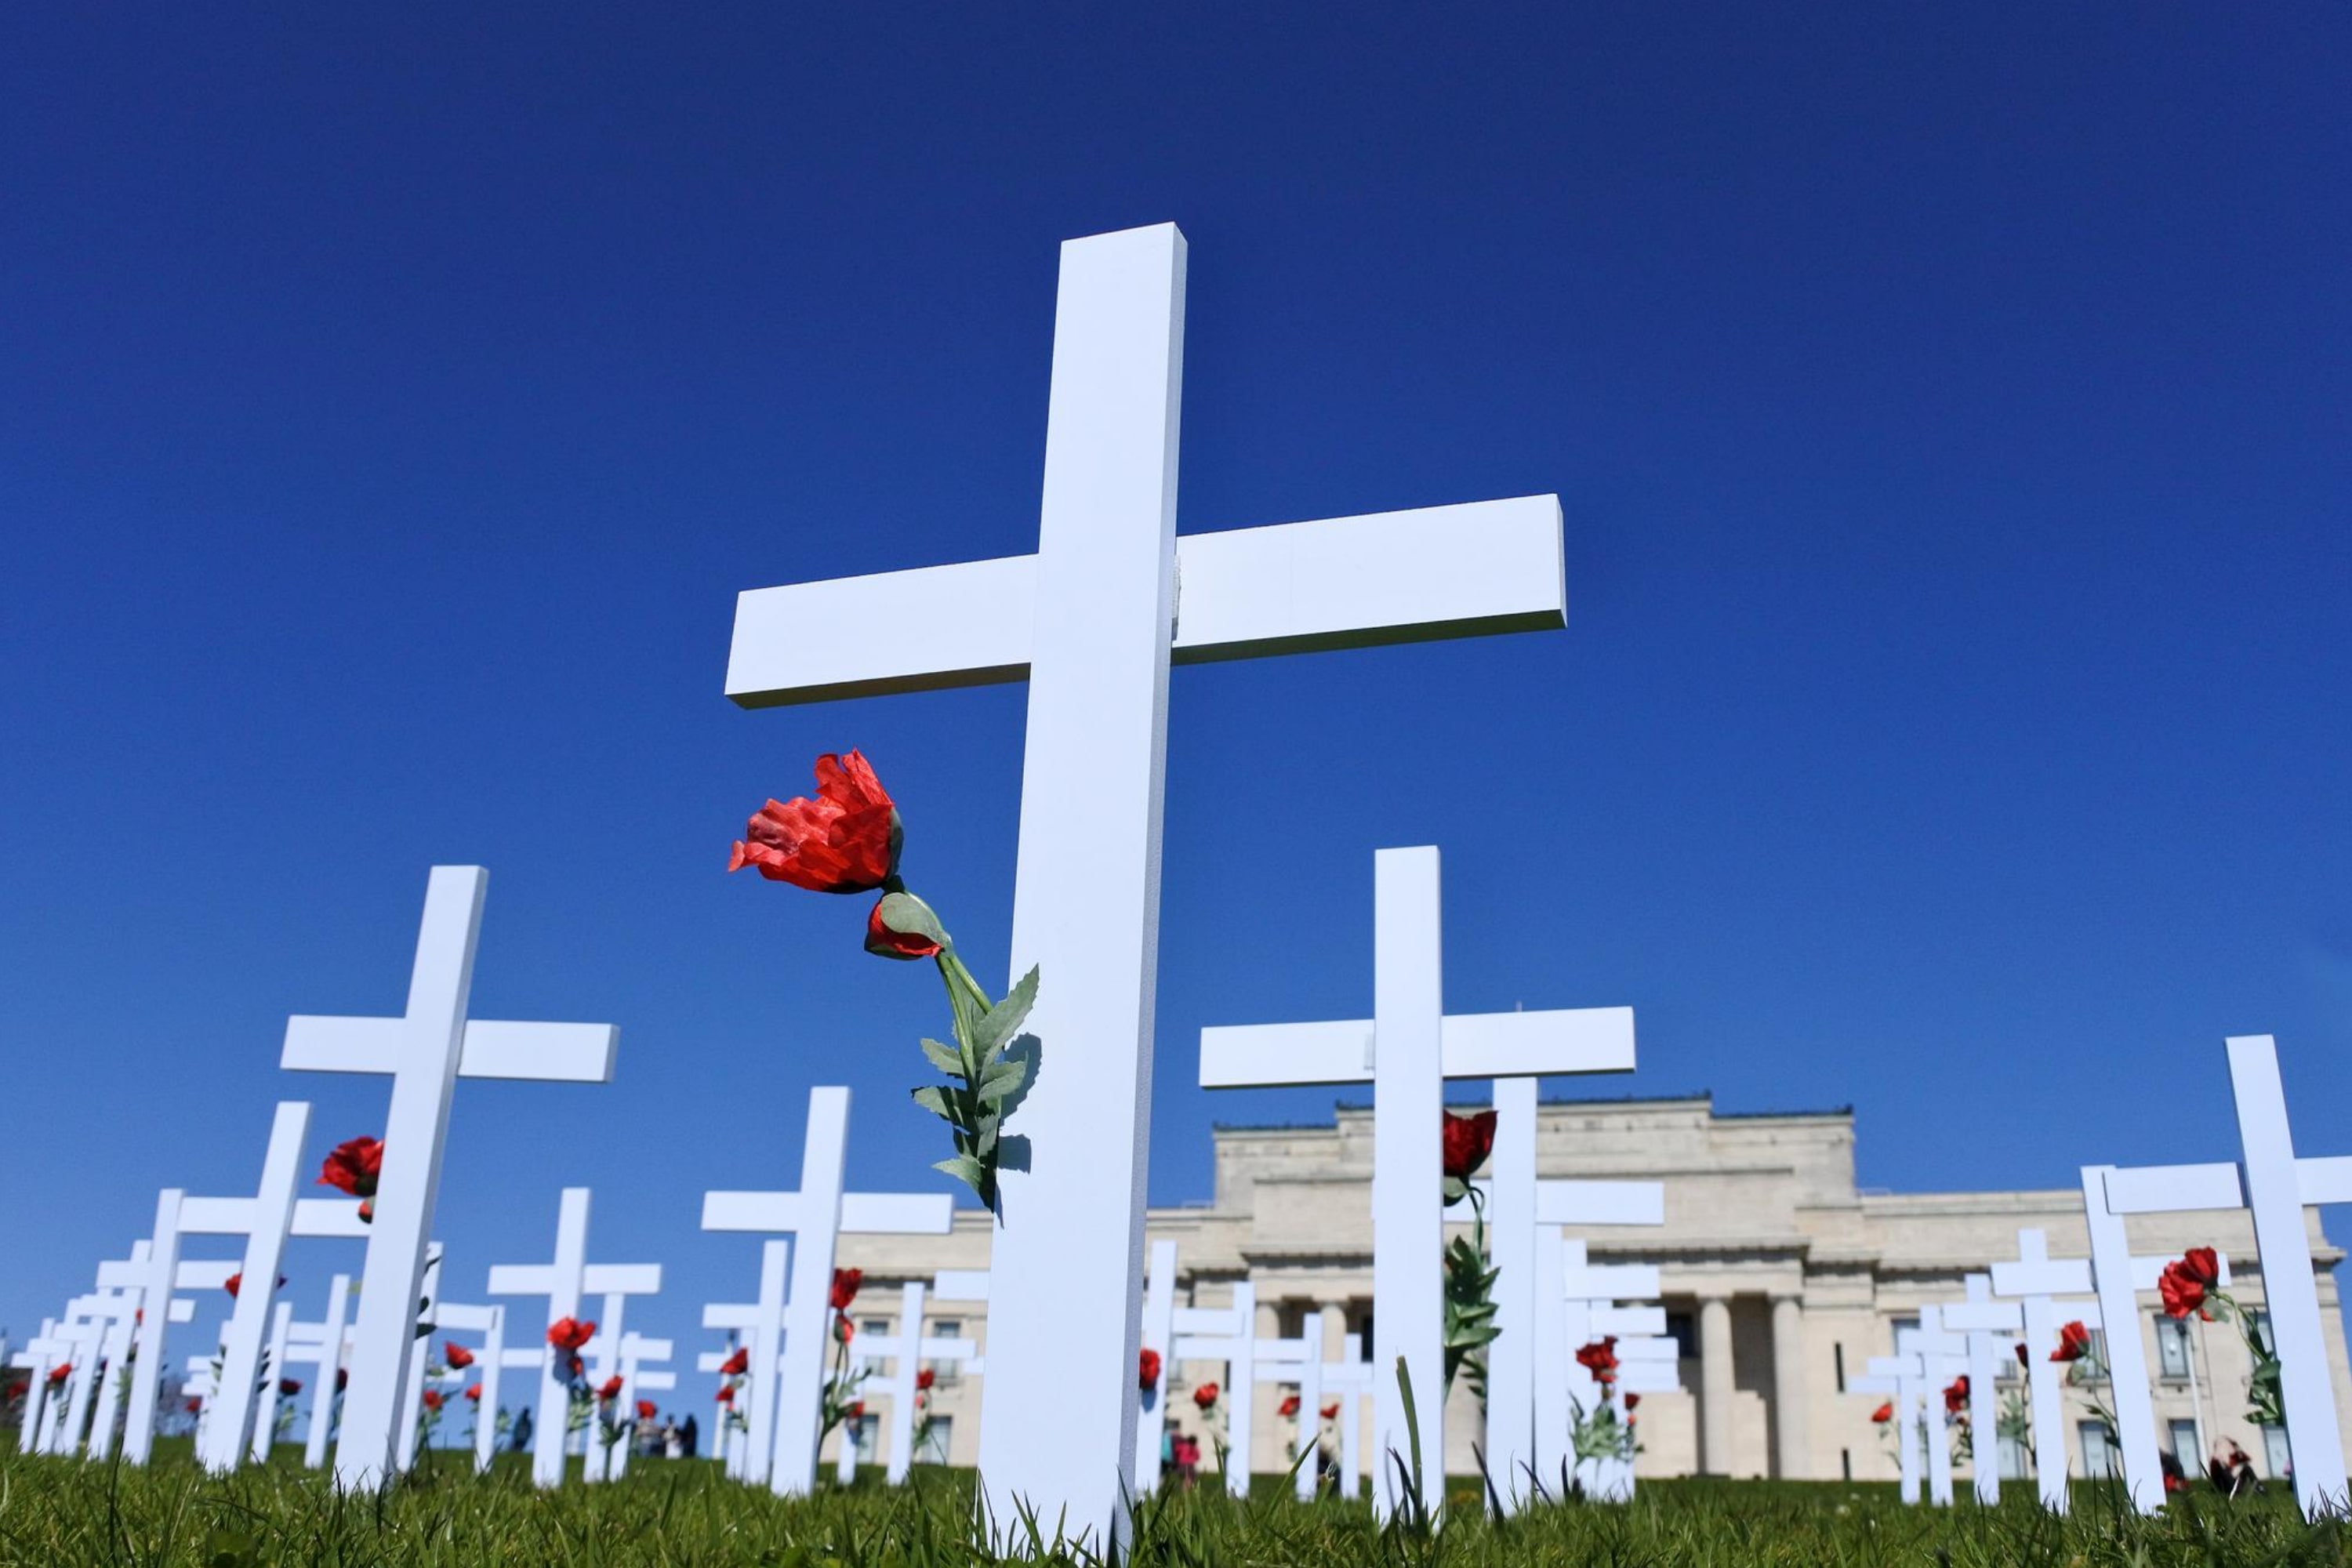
(565, 1281)
(1229, 1334)
(607, 1355)
(1407, 1049)
(165, 1273)
(1519, 1207)
(785, 1407)
(411, 1415)
(424, 1051)
(1159, 1337)
(130, 1276)
(908, 1350)
(1093, 620)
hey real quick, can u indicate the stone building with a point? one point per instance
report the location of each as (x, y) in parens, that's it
(1781, 1279)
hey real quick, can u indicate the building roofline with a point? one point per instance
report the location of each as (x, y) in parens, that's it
(1704, 1096)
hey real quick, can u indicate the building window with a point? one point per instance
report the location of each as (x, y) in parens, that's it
(1896, 1329)
(1837, 1354)
(2276, 1460)
(2183, 1436)
(873, 1325)
(1364, 1327)
(2171, 1349)
(946, 1371)
(862, 1430)
(2010, 1456)
(937, 1440)
(2098, 1454)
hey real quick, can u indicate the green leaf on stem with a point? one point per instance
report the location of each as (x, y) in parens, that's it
(944, 1058)
(1007, 1016)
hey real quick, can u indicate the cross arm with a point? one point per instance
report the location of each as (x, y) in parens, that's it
(468, 1319)
(329, 1217)
(1612, 1282)
(1348, 581)
(2173, 1189)
(621, 1280)
(896, 1214)
(2326, 1180)
(1629, 1320)
(730, 1315)
(650, 1381)
(1560, 1202)
(1985, 1317)
(521, 1279)
(203, 1273)
(960, 1284)
(216, 1216)
(2050, 1276)
(560, 1053)
(1472, 1044)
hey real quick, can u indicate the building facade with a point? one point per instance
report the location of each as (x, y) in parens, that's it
(1781, 1279)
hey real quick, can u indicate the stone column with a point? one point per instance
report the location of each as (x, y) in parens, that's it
(1715, 1386)
(1789, 1389)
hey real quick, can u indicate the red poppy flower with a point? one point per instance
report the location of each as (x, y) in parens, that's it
(354, 1167)
(1205, 1396)
(739, 1363)
(844, 841)
(2176, 1483)
(1884, 1414)
(1147, 1369)
(2188, 1280)
(1632, 1402)
(645, 1410)
(473, 1392)
(2022, 1358)
(1468, 1141)
(576, 1369)
(432, 1399)
(287, 1387)
(1289, 1405)
(845, 1282)
(2074, 1343)
(727, 1395)
(856, 1411)
(1332, 1410)
(457, 1356)
(569, 1334)
(1600, 1359)
(60, 1373)
(612, 1388)
(233, 1284)
(924, 1379)
(844, 1328)
(342, 1376)
(1955, 1395)
(196, 1406)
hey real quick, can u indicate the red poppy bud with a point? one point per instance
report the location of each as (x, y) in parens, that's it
(1147, 1369)
(1468, 1141)
(1632, 1402)
(902, 926)
(846, 840)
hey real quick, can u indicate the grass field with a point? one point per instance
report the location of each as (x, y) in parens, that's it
(681, 1515)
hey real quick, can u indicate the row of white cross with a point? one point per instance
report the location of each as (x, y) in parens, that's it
(2019, 1301)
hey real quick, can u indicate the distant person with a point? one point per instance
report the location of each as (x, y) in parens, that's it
(689, 1435)
(673, 1444)
(519, 1442)
(2243, 1482)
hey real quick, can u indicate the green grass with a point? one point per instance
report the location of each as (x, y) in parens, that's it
(62, 1514)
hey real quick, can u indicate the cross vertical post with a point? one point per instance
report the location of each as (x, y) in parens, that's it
(560, 1281)
(147, 1364)
(332, 1330)
(1159, 1337)
(1510, 1360)
(1408, 1229)
(264, 1219)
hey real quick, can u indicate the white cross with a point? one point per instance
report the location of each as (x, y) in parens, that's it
(1990, 1328)
(906, 1349)
(637, 1359)
(86, 1330)
(321, 1345)
(1518, 1207)
(165, 1273)
(787, 1403)
(1407, 1049)
(757, 1328)
(411, 1414)
(1647, 1363)
(491, 1361)
(1229, 1334)
(1925, 1358)
(608, 1357)
(722, 1453)
(1159, 1336)
(129, 1275)
(424, 1051)
(42, 1353)
(1298, 1365)
(1093, 619)
(565, 1282)
(1577, 1302)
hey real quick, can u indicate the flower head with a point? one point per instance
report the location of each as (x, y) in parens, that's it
(739, 1363)
(645, 1410)
(342, 1378)
(1884, 1414)
(196, 1405)
(1289, 1404)
(727, 1394)
(1600, 1359)
(901, 925)
(2074, 1343)
(924, 1379)
(1632, 1402)
(457, 1356)
(2023, 1358)
(2188, 1280)
(473, 1392)
(354, 1167)
(1332, 1410)
(569, 1334)
(845, 1282)
(60, 1371)
(287, 1387)
(432, 1399)
(1147, 1369)
(846, 840)
(1955, 1395)
(1468, 1141)
(1205, 1396)
(611, 1390)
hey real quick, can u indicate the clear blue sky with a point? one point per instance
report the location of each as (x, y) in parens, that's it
(1948, 405)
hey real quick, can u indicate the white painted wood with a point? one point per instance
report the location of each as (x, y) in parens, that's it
(639, 1361)
(761, 1327)
(788, 1404)
(39, 1357)
(2277, 1186)
(1475, 1045)
(166, 1272)
(267, 1392)
(1229, 1334)
(561, 1281)
(424, 1051)
(1349, 1380)
(1408, 1012)
(1159, 1336)
(406, 1441)
(324, 1344)
(1510, 1450)
(1093, 619)
(607, 1353)
(128, 1276)
(1988, 1348)
(491, 1361)
(907, 1350)
(264, 1221)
